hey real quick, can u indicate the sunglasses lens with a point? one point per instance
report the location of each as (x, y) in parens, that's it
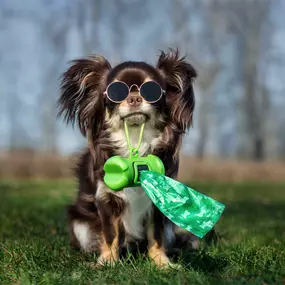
(118, 91)
(151, 91)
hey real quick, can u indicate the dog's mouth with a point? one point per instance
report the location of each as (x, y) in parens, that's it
(136, 118)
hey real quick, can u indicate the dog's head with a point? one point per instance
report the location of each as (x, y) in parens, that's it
(134, 79)
(88, 93)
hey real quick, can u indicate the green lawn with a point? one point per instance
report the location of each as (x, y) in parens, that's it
(34, 243)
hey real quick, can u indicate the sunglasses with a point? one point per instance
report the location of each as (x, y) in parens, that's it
(118, 91)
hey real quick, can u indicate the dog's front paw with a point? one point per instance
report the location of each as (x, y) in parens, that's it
(107, 259)
(159, 257)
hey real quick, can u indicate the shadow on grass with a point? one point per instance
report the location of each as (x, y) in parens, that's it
(201, 261)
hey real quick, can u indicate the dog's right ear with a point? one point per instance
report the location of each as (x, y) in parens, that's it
(82, 88)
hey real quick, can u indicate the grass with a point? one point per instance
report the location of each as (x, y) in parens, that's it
(34, 243)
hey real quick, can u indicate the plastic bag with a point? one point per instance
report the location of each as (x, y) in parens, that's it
(187, 208)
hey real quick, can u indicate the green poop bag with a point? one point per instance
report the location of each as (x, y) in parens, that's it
(184, 206)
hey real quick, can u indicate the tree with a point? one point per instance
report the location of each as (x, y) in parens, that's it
(248, 28)
(55, 30)
(87, 19)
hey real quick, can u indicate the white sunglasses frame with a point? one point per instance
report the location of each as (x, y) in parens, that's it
(139, 88)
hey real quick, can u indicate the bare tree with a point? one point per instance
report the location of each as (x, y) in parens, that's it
(55, 29)
(205, 58)
(207, 79)
(19, 135)
(117, 29)
(248, 27)
(87, 19)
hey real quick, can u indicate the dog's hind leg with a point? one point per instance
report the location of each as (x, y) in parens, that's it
(84, 230)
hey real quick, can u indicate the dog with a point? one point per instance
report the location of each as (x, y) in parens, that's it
(99, 99)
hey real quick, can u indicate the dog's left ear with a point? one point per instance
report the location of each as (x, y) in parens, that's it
(179, 76)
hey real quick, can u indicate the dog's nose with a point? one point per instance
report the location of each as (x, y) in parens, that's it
(134, 100)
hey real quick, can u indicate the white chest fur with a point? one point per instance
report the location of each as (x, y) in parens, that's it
(149, 140)
(139, 206)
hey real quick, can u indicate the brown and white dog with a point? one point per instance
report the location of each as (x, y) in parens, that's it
(104, 220)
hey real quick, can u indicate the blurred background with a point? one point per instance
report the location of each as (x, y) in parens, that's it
(237, 47)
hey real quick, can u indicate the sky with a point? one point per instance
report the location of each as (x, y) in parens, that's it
(26, 56)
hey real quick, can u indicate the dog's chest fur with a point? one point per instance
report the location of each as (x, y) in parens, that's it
(149, 140)
(139, 206)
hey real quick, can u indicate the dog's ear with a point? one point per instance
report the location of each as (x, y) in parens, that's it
(82, 88)
(179, 76)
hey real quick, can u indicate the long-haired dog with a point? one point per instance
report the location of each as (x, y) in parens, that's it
(107, 221)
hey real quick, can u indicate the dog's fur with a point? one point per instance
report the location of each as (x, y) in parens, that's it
(104, 220)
